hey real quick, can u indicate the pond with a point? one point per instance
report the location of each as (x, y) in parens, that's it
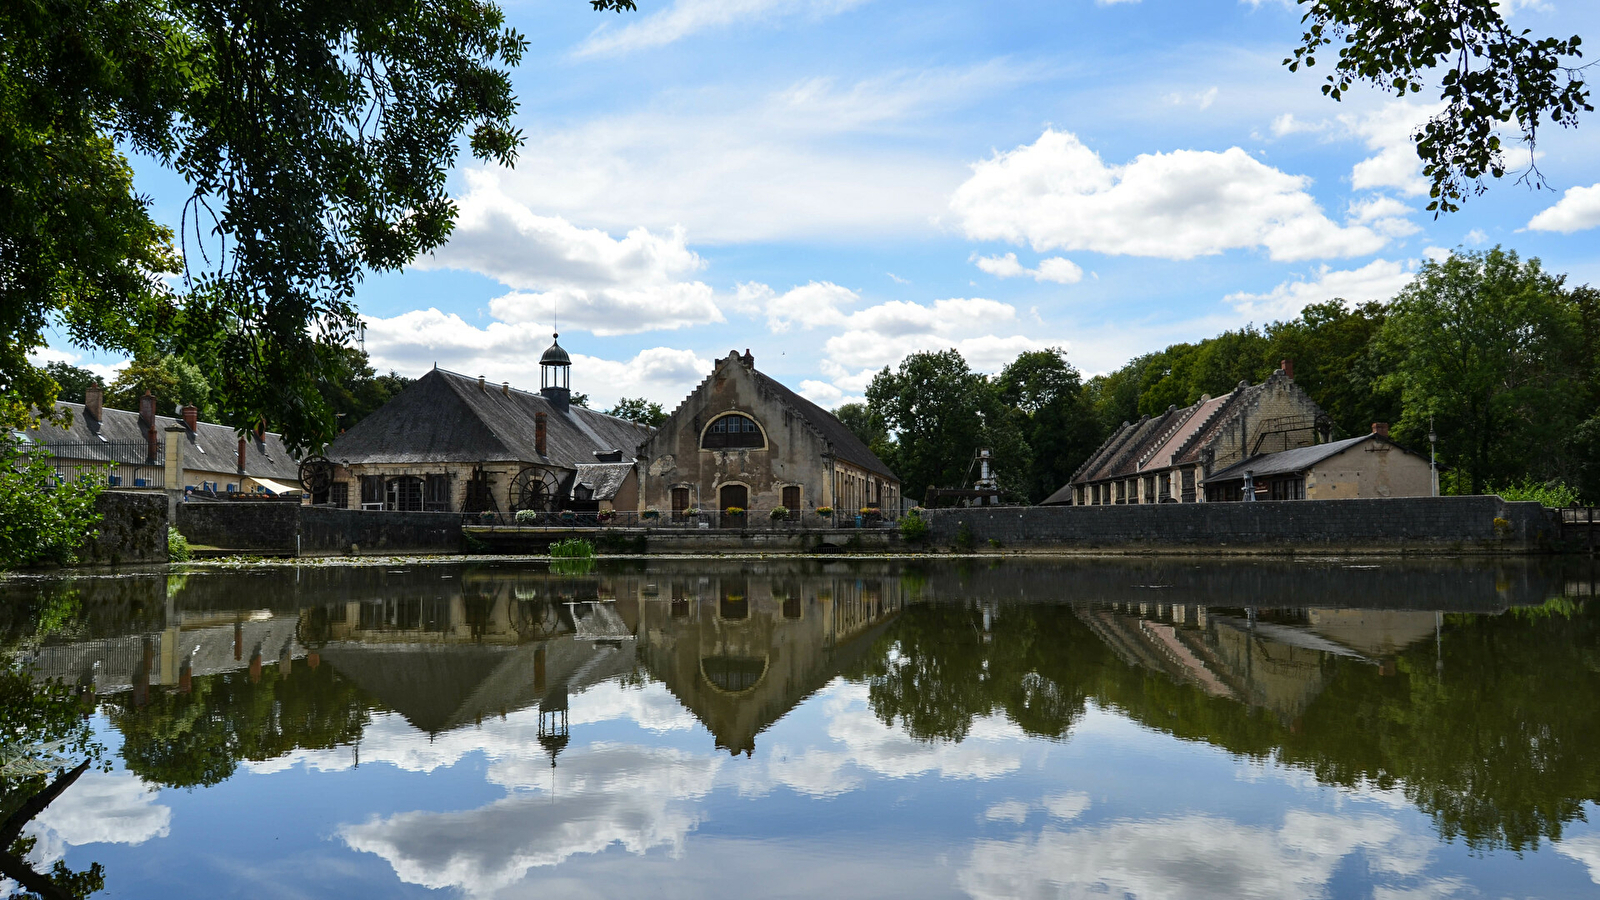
(803, 728)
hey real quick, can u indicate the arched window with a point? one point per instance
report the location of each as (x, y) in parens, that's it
(732, 431)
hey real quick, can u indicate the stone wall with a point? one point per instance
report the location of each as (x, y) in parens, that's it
(133, 529)
(1450, 524)
(666, 541)
(275, 528)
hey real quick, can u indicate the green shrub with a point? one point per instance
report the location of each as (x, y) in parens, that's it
(1552, 494)
(42, 520)
(572, 548)
(914, 528)
(964, 539)
(779, 512)
(177, 546)
(527, 517)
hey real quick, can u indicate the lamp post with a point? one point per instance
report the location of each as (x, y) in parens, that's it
(1433, 456)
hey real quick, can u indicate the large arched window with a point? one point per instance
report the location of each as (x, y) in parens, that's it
(732, 432)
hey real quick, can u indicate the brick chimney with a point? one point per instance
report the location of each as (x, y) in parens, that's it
(1287, 366)
(94, 401)
(482, 382)
(191, 417)
(1381, 429)
(540, 425)
(241, 456)
(505, 388)
(147, 421)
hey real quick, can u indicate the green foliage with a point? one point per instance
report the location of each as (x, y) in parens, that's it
(74, 382)
(867, 425)
(177, 546)
(939, 411)
(964, 538)
(638, 409)
(914, 528)
(572, 548)
(42, 520)
(1054, 417)
(352, 389)
(528, 516)
(173, 381)
(1489, 346)
(579, 398)
(779, 512)
(1552, 494)
(1493, 75)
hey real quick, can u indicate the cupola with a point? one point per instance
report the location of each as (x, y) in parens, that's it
(555, 375)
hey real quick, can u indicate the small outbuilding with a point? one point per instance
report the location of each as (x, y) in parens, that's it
(1363, 467)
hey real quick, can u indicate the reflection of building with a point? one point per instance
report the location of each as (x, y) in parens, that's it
(1279, 664)
(740, 650)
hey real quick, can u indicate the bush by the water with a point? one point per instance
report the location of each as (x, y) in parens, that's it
(572, 548)
(43, 518)
(177, 546)
(913, 527)
(1553, 494)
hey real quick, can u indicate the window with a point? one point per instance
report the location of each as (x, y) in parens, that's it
(680, 501)
(436, 495)
(1188, 486)
(404, 494)
(732, 431)
(339, 495)
(372, 492)
(791, 500)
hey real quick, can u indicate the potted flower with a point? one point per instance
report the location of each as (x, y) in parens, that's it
(871, 514)
(825, 511)
(568, 517)
(779, 513)
(487, 517)
(604, 516)
(691, 512)
(652, 513)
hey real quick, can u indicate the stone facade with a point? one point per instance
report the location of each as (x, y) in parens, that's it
(741, 439)
(1367, 467)
(1167, 458)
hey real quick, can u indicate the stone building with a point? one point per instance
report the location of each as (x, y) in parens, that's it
(144, 450)
(742, 440)
(1167, 458)
(455, 443)
(1361, 467)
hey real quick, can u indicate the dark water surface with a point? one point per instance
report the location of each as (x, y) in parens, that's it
(869, 728)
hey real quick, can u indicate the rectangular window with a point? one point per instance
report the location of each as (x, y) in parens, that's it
(339, 495)
(1188, 486)
(680, 501)
(791, 500)
(1122, 492)
(1149, 489)
(372, 492)
(436, 494)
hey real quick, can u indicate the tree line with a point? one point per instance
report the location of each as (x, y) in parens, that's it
(1490, 353)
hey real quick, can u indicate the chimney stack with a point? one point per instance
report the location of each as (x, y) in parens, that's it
(241, 456)
(191, 417)
(482, 384)
(505, 388)
(1288, 368)
(94, 400)
(147, 410)
(539, 428)
(1381, 429)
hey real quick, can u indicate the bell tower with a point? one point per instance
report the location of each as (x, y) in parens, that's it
(555, 375)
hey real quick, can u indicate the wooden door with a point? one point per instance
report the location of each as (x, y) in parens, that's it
(734, 496)
(680, 502)
(791, 501)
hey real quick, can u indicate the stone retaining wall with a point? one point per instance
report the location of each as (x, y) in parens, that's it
(611, 541)
(317, 531)
(1433, 524)
(133, 529)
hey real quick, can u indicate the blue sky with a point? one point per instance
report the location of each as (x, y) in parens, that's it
(836, 183)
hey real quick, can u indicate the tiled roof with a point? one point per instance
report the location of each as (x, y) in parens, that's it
(605, 479)
(846, 445)
(444, 417)
(212, 447)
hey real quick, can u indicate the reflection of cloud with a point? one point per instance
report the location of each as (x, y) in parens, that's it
(1193, 857)
(1585, 850)
(606, 795)
(861, 744)
(99, 808)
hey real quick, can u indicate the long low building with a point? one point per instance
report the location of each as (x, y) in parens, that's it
(1356, 468)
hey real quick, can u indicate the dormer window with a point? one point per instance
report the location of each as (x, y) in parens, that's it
(733, 432)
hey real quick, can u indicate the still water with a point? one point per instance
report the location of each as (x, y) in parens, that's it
(866, 728)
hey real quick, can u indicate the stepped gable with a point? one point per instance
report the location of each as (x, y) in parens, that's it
(1221, 417)
(1108, 450)
(1175, 427)
(1143, 437)
(1195, 418)
(445, 417)
(212, 447)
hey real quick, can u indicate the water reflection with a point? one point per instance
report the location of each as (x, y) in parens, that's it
(1353, 717)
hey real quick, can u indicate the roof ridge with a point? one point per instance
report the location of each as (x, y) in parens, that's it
(1172, 429)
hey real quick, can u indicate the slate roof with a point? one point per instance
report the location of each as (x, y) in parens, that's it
(846, 445)
(605, 479)
(443, 417)
(118, 436)
(1288, 461)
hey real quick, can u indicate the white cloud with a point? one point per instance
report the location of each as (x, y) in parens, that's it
(1058, 194)
(1586, 850)
(1055, 268)
(687, 17)
(1202, 99)
(810, 305)
(1388, 131)
(1288, 124)
(588, 278)
(412, 342)
(813, 160)
(1577, 210)
(1377, 280)
(1383, 214)
(1194, 857)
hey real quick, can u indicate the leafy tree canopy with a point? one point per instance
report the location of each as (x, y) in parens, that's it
(638, 409)
(73, 381)
(1489, 75)
(175, 383)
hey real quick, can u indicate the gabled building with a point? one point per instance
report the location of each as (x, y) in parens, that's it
(1167, 458)
(742, 440)
(144, 450)
(1362, 467)
(455, 443)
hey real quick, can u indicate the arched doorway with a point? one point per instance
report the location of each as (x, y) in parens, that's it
(733, 496)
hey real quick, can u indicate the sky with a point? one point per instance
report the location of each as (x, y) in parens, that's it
(833, 184)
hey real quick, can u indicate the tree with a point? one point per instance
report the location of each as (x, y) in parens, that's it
(1487, 345)
(316, 150)
(1493, 75)
(73, 382)
(934, 405)
(638, 409)
(173, 381)
(865, 423)
(43, 519)
(354, 390)
(1057, 421)
(1330, 344)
